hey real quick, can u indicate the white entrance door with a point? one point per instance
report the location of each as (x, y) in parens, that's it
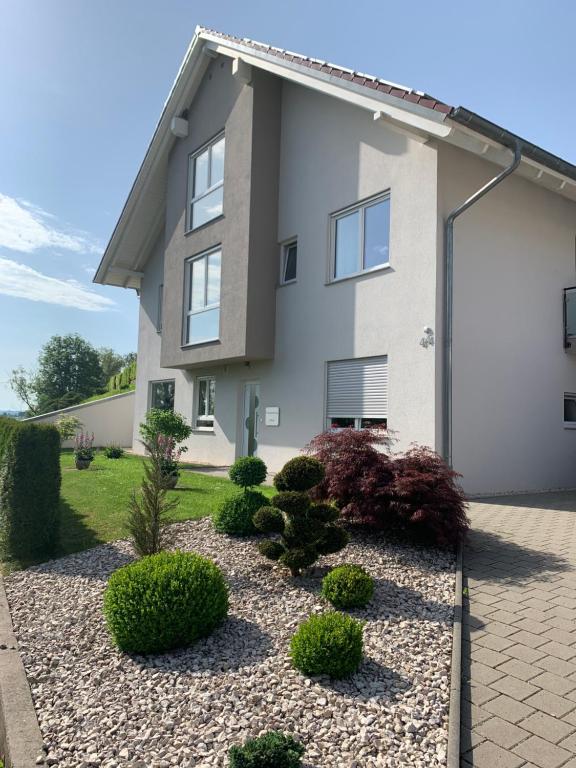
(251, 418)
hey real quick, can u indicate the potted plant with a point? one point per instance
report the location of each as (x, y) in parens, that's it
(169, 458)
(83, 450)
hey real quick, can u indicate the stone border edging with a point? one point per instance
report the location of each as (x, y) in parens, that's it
(20, 737)
(453, 754)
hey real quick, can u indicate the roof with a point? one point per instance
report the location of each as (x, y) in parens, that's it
(418, 114)
(367, 81)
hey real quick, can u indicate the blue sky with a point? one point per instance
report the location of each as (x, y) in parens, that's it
(82, 83)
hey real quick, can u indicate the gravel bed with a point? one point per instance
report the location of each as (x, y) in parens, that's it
(99, 707)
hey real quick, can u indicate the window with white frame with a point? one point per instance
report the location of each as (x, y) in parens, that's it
(360, 238)
(206, 184)
(357, 393)
(206, 390)
(570, 409)
(202, 316)
(289, 262)
(159, 308)
(162, 394)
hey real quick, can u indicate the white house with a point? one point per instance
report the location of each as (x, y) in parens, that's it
(304, 261)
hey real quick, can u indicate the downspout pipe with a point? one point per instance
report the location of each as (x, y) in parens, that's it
(516, 148)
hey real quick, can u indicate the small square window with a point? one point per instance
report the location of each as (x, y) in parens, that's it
(569, 409)
(162, 395)
(289, 262)
(206, 392)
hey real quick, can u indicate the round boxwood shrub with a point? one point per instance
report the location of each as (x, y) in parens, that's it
(328, 644)
(272, 750)
(248, 471)
(348, 586)
(299, 474)
(269, 520)
(164, 601)
(235, 515)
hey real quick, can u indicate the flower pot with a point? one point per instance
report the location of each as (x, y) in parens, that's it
(83, 463)
(170, 481)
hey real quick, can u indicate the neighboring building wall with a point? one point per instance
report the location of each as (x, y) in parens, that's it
(110, 419)
(514, 253)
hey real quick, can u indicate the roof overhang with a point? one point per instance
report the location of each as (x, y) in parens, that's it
(142, 218)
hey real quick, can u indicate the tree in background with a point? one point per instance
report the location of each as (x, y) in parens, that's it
(22, 384)
(111, 362)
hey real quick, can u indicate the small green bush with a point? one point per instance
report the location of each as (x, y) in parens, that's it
(299, 474)
(235, 516)
(167, 423)
(272, 750)
(248, 471)
(113, 451)
(271, 549)
(348, 586)
(328, 644)
(29, 489)
(164, 601)
(269, 520)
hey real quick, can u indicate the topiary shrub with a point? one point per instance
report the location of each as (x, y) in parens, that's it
(164, 601)
(113, 451)
(307, 530)
(235, 515)
(272, 750)
(328, 644)
(348, 586)
(29, 489)
(299, 474)
(248, 471)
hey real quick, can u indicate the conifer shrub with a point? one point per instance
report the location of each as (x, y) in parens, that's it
(348, 586)
(328, 644)
(306, 530)
(29, 489)
(271, 750)
(164, 601)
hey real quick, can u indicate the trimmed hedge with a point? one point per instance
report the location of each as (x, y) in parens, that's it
(235, 515)
(29, 489)
(123, 380)
(328, 644)
(348, 586)
(165, 601)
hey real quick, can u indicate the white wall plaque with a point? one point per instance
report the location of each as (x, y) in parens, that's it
(272, 416)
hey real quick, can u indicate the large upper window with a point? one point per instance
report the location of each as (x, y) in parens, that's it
(361, 238)
(202, 316)
(357, 393)
(206, 184)
(162, 394)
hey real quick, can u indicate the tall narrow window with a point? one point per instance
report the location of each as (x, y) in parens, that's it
(289, 262)
(206, 184)
(202, 319)
(361, 238)
(159, 308)
(206, 388)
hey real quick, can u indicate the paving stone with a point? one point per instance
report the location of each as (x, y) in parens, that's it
(488, 657)
(502, 630)
(556, 666)
(480, 673)
(542, 752)
(559, 636)
(554, 683)
(524, 653)
(570, 743)
(502, 733)
(551, 703)
(527, 638)
(559, 650)
(535, 627)
(489, 755)
(494, 642)
(506, 617)
(549, 728)
(509, 709)
(513, 687)
(518, 669)
(478, 694)
(472, 715)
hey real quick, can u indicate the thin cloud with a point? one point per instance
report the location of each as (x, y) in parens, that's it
(23, 282)
(26, 228)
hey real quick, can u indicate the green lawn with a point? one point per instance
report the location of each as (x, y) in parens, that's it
(95, 500)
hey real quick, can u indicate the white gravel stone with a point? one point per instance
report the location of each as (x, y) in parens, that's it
(100, 708)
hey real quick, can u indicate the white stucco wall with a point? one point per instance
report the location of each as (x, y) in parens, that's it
(332, 155)
(110, 419)
(514, 253)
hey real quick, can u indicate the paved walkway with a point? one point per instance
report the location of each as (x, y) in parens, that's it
(519, 634)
